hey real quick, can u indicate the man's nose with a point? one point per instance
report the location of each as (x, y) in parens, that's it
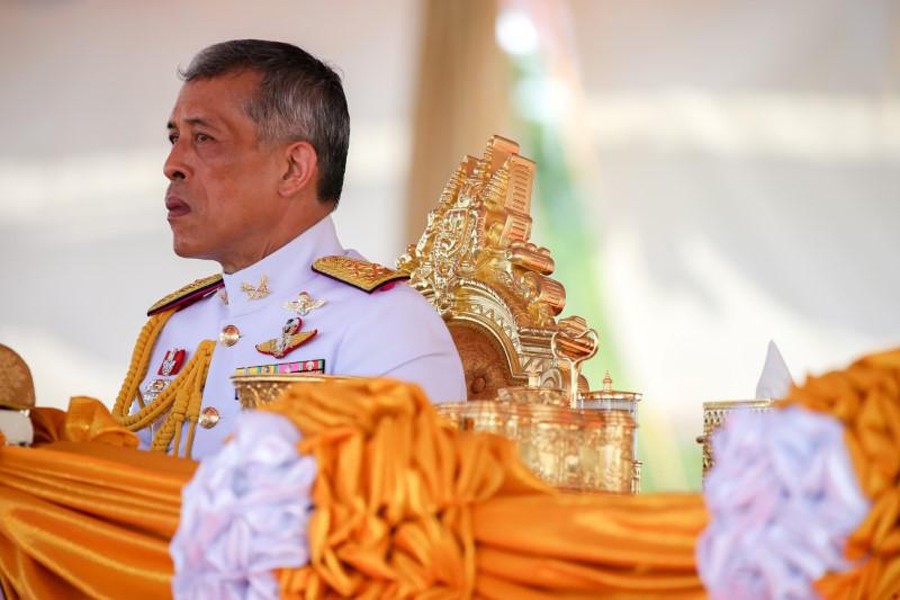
(175, 166)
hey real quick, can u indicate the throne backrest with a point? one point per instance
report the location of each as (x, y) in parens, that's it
(475, 264)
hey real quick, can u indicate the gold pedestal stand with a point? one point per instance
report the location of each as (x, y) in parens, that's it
(715, 415)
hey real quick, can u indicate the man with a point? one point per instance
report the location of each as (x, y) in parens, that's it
(259, 137)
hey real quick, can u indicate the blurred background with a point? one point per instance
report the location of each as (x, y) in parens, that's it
(712, 174)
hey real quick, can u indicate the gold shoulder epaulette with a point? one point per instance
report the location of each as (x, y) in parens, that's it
(359, 273)
(189, 294)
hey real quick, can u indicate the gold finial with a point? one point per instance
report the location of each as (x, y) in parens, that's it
(607, 382)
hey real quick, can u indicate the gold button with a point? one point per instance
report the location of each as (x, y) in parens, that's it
(230, 335)
(209, 416)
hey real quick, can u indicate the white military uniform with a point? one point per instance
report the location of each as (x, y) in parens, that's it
(386, 333)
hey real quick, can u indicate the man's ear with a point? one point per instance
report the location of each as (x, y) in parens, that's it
(301, 168)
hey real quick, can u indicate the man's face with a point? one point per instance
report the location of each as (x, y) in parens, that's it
(222, 198)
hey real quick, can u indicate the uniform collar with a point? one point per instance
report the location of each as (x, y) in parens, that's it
(286, 271)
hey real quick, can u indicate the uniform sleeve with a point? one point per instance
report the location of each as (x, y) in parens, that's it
(398, 334)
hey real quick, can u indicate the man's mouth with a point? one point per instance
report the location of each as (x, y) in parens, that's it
(176, 207)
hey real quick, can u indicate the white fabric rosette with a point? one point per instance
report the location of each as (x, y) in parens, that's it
(244, 513)
(783, 497)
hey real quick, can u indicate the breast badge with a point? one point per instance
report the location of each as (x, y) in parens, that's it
(154, 389)
(304, 304)
(257, 292)
(172, 362)
(291, 338)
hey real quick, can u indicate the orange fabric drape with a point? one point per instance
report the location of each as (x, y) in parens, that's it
(408, 507)
(404, 507)
(86, 515)
(639, 545)
(87, 420)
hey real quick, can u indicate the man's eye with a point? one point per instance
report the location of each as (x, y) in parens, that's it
(202, 137)
(173, 137)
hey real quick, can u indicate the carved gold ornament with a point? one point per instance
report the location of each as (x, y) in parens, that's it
(476, 265)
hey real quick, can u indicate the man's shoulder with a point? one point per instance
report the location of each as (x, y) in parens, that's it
(187, 295)
(368, 292)
(358, 272)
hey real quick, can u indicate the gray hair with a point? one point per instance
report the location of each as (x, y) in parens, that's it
(300, 98)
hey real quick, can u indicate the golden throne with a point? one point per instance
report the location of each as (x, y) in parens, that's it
(475, 264)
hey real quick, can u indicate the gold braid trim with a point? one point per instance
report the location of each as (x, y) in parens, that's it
(180, 399)
(140, 360)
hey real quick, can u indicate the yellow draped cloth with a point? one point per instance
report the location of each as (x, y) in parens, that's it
(86, 514)
(405, 507)
(408, 507)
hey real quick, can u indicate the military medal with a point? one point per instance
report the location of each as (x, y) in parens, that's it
(154, 389)
(304, 304)
(172, 362)
(257, 292)
(291, 338)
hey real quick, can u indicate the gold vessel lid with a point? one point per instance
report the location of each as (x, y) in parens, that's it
(256, 389)
(608, 399)
(597, 395)
(737, 404)
(16, 384)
